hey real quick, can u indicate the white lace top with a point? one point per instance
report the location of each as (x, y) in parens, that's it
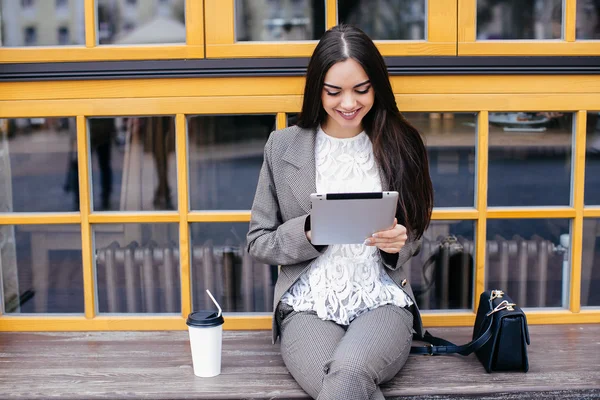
(346, 280)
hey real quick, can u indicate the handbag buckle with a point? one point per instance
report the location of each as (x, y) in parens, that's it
(429, 349)
(504, 305)
(496, 294)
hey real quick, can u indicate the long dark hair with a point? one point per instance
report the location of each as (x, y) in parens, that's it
(397, 145)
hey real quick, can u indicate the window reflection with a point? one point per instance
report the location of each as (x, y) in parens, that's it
(225, 156)
(133, 163)
(588, 20)
(41, 269)
(137, 268)
(529, 159)
(42, 23)
(38, 165)
(279, 20)
(385, 19)
(141, 22)
(519, 19)
(529, 259)
(590, 263)
(221, 264)
(592, 159)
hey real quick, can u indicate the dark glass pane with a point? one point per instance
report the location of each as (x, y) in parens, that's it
(442, 274)
(41, 268)
(588, 20)
(133, 163)
(529, 260)
(530, 159)
(386, 19)
(592, 159)
(42, 23)
(137, 268)
(141, 22)
(450, 140)
(590, 263)
(519, 19)
(38, 165)
(225, 155)
(221, 264)
(279, 20)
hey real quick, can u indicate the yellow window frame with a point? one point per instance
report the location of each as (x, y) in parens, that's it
(220, 34)
(468, 45)
(193, 48)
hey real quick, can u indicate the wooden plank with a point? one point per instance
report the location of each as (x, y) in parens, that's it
(158, 365)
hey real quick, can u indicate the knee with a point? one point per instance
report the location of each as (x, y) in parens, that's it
(351, 369)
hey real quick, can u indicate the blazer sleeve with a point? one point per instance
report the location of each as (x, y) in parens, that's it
(395, 261)
(270, 239)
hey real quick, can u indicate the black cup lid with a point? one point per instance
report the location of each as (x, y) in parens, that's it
(204, 319)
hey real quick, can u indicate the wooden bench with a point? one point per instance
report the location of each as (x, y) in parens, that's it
(565, 363)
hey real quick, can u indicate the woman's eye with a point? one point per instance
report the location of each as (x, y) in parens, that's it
(363, 91)
(332, 93)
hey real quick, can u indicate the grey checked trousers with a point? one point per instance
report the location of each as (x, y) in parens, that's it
(331, 361)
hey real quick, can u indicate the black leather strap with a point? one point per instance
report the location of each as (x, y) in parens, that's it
(441, 346)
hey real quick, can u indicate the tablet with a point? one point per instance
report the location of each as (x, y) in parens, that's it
(350, 218)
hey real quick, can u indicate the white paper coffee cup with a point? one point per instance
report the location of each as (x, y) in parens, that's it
(206, 338)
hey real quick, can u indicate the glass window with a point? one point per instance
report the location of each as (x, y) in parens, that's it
(529, 260)
(137, 268)
(146, 22)
(592, 160)
(221, 264)
(41, 269)
(519, 19)
(63, 35)
(590, 263)
(62, 3)
(529, 159)
(279, 20)
(442, 274)
(226, 148)
(386, 19)
(450, 141)
(36, 23)
(588, 20)
(133, 163)
(38, 165)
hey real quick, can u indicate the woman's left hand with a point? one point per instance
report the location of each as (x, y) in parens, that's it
(390, 240)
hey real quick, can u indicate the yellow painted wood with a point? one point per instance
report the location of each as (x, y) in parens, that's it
(39, 218)
(281, 120)
(133, 217)
(267, 86)
(454, 214)
(442, 22)
(99, 53)
(258, 322)
(219, 216)
(416, 48)
(194, 23)
(331, 14)
(86, 231)
(260, 49)
(578, 198)
(183, 200)
(90, 23)
(481, 202)
(528, 48)
(539, 317)
(219, 23)
(589, 212)
(467, 20)
(533, 212)
(569, 20)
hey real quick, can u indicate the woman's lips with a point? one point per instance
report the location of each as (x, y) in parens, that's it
(348, 116)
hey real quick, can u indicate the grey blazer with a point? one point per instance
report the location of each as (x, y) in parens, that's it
(280, 210)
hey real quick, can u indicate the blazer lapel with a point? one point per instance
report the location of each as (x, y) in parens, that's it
(301, 154)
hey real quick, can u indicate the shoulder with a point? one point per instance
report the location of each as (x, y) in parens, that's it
(281, 139)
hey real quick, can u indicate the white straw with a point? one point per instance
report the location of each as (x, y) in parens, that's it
(214, 301)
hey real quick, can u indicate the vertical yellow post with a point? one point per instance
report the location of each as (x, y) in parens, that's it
(467, 20)
(86, 230)
(90, 23)
(183, 200)
(194, 22)
(578, 204)
(570, 20)
(481, 203)
(331, 13)
(281, 121)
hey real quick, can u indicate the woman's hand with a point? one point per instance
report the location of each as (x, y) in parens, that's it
(390, 240)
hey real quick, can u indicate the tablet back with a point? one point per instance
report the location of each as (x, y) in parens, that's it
(350, 218)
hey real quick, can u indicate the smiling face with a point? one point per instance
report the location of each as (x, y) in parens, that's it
(347, 97)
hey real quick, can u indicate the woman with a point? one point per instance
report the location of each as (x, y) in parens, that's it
(345, 313)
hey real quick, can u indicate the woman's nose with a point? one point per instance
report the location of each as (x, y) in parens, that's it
(348, 102)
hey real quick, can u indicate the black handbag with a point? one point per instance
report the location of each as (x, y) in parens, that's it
(500, 336)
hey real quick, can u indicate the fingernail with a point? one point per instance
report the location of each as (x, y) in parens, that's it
(367, 241)
(374, 235)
